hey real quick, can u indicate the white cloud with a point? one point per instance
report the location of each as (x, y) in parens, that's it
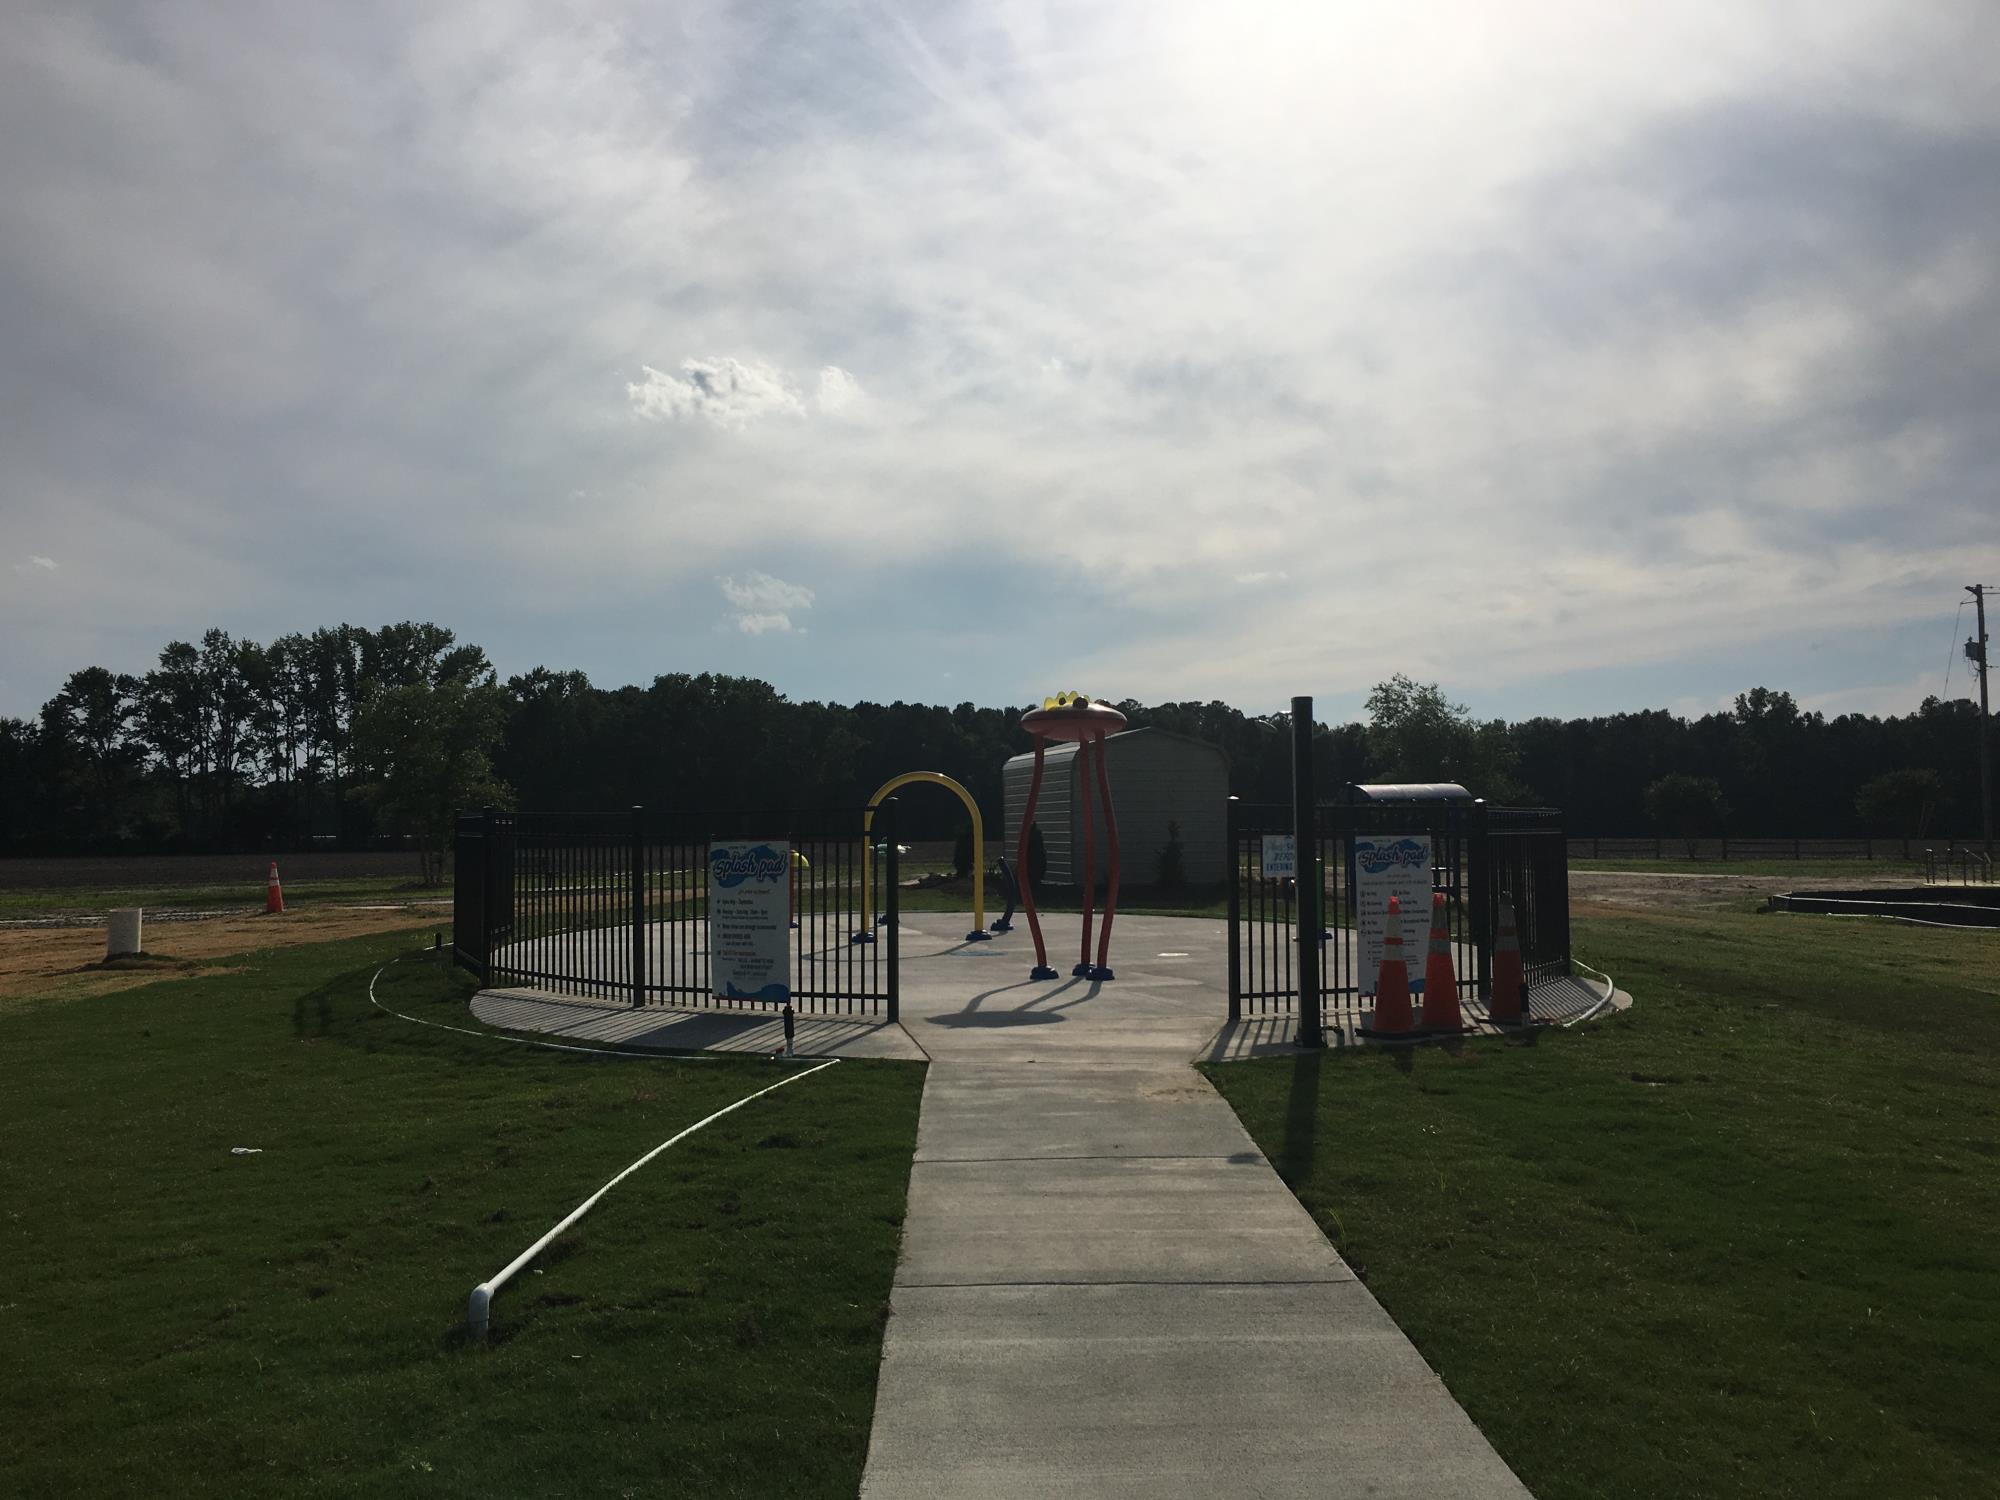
(733, 393)
(36, 563)
(1621, 335)
(729, 393)
(837, 389)
(764, 605)
(754, 590)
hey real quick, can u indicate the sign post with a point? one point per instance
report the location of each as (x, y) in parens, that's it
(1385, 865)
(749, 920)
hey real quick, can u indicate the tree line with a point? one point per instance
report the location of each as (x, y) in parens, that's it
(348, 735)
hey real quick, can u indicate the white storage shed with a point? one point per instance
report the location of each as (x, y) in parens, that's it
(1157, 778)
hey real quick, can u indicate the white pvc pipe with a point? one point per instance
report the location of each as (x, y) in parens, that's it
(1610, 990)
(481, 1301)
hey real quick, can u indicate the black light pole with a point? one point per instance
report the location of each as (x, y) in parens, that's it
(1305, 870)
(1979, 659)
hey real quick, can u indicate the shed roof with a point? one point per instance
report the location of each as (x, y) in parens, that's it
(1412, 791)
(1066, 749)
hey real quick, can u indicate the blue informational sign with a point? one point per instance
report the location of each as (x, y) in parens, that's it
(1281, 856)
(1385, 865)
(749, 920)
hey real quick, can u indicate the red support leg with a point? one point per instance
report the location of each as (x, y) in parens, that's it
(1110, 891)
(1089, 852)
(1025, 877)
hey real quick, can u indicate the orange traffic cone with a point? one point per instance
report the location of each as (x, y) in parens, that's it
(1506, 1002)
(1440, 982)
(1392, 985)
(274, 895)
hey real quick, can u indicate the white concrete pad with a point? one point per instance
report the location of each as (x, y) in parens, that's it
(1126, 1391)
(1104, 1289)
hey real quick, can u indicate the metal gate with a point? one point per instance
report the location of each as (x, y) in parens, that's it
(1479, 855)
(614, 906)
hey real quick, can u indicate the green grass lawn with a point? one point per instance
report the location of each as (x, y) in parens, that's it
(1742, 1241)
(175, 1320)
(41, 901)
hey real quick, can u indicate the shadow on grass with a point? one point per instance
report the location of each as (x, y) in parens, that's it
(312, 1011)
(1295, 1157)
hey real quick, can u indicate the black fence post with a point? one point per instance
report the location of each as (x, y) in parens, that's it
(468, 880)
(1479, 877)
(1305, 870)
(1561, 901)
(1233, 867)
(489, 890)
(892, 906)
(638, 905)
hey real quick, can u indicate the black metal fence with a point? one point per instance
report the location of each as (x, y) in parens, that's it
(1658, 846)
(614, 906)
(1479, 854)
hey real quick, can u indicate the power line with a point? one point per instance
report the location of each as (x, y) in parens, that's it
(1951, 648)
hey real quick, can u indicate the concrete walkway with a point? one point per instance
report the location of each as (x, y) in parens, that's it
(1105, 1290)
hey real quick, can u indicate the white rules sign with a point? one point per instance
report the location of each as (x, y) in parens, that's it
(749, 920)
(1399, 865)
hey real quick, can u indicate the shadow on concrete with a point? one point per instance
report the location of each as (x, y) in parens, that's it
(972, 1018)
(1030, 1013)
(660, 1030)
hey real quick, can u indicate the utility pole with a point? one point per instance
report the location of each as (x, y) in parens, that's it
(1976, 650)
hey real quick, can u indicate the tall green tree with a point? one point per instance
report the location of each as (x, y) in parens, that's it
(90, 722)
(1418, 734)
(1691, 808)
(1901, 802)
(428, 749)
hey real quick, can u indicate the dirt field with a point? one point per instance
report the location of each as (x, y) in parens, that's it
(1607, 893)
(67, 963)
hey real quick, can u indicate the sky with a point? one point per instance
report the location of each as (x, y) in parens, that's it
(1578, 357)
